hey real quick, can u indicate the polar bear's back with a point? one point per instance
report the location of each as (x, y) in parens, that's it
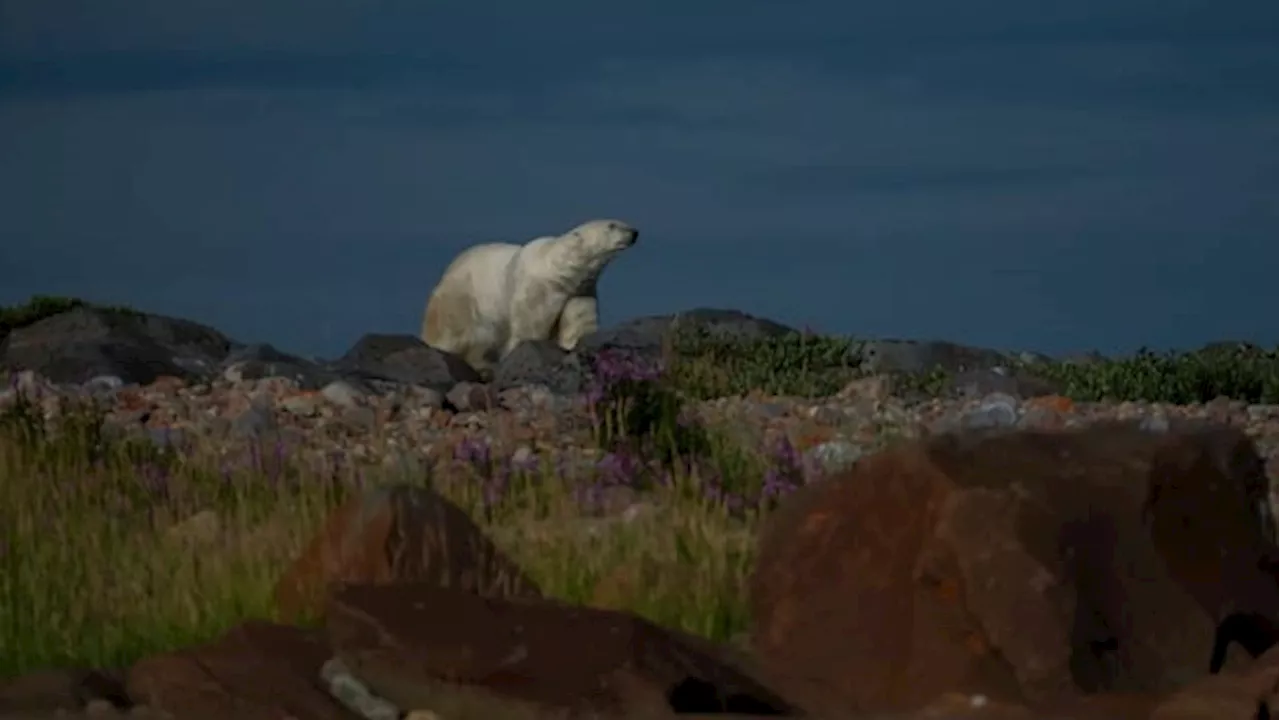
(481, 271)
(467, 311)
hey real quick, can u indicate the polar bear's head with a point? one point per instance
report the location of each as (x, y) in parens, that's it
(605, 236)
(583, 252)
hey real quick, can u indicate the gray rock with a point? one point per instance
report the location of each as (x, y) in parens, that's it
(255, 421)
(471, 397)
(302, 405)
(541, 363)
(997, 410)
(78, 345)
(404, 359)
(645, 335)
(353, 694)
(1156, 422)
(164, 437)
(102, 386)
(343, 394)
(833, 456)
(260, 360)
(920, 356)
(999, 379)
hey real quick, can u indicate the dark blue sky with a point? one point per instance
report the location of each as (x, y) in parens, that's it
(1095, 174)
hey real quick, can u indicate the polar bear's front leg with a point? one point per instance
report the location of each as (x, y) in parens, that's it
(579, 319)
(535, 309)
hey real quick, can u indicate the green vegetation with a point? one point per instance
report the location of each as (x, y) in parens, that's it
(799, 365)
(40, 307)
(1239, 373)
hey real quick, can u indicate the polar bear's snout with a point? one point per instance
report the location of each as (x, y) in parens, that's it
(626, 234)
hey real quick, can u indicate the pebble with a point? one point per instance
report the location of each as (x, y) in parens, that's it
(342, 394)
(103, 385)
(302, 405)
(834, 455)
(253, 421)
(353, 694)
(1156, 422)
(523, 457)
(164, 437)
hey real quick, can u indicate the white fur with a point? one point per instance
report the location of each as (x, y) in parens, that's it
(495, 296)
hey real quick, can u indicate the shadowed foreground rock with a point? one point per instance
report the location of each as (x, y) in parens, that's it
(398, 533)
(48, 692)
(1237, 694)
(407, 642)
(258, 671)
(1030, 568)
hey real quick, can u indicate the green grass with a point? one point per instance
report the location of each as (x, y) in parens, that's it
(803, 365)
(39, 307)
(91, 572)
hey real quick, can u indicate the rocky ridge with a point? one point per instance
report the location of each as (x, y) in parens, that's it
(394, 401)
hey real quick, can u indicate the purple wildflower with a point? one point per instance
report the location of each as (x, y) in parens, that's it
(619, 468)
(474, 452)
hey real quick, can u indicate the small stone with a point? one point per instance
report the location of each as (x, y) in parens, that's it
(342, 394)
(255, 420)
(524, 457)
(872, 387)
(304, 405)
(1156, 422)
(1261, 412)
(353, 694)
(996, 410)
(834, 455)
(200, 529)
(613, 500)
(771, 410)
(430, 398)
(469, 397)
(233, 373)
(103, 384)
(99, 708)
(359, 417)
(165, 437)
(637, 510)
(28, 383)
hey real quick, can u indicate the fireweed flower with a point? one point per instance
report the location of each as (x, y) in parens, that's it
(475, 454)
(619, 468)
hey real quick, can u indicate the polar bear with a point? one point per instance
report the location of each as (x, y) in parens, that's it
(495, 296)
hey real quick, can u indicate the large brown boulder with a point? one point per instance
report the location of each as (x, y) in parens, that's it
(258, 671)
(397, 533)
(1246, 693)
(417, 645)
(1028, 567)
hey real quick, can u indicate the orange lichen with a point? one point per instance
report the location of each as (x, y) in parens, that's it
(1057, 403)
